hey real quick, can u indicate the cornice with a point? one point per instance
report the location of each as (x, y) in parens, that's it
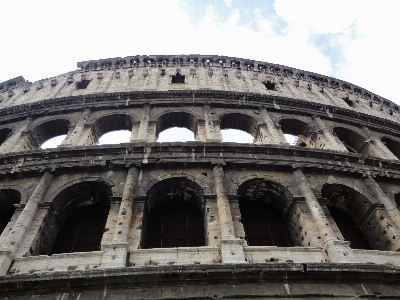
(195, 154)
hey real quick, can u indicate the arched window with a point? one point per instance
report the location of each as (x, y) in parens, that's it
(295, 131)
(239, 128)
(262, 204)
(263, 225)
(81, 211)
(347, 228)
(347, 207)
(176, 127)
(175, 224)
(114, 129)
(8, 198)
(353, 141)
(83, 230)
(49, 134)
(175, 217)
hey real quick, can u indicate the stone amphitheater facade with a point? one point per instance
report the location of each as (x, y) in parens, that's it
(203, 219)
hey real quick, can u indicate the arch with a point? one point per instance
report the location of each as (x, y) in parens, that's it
(347, 206)
(353, 141)
(113, 122)
(240, 121)
(176, 119)
(263, 204)
(175, 214)
(81, 210)
(392, 145)
(81, 193)
(4, 134)
(50, 129)
(8, 198)
(300, 130)
(271, 192)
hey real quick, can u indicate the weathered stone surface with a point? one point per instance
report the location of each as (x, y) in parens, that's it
(346, 156)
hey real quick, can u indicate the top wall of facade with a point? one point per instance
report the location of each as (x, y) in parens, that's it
(218, 73)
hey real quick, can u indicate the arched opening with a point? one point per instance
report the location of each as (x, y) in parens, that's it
(236, 136)
(4, 133)
(348, 229)
(239, 128)
(295, 132)
(53, 142)
(264, 225)
(176, 134)
(347, 207)
(392, 145)
(262, 205)
(115, 137)
(353, 141)
(397, 199)
(175, 217)
(176, 127)
(82, 211)
(114, 129)
(8, 197)
(53, 132)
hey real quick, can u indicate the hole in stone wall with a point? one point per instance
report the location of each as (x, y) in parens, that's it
(295, 131)
(115, 137)
(53, 142)
(178, 78)
(82, 84)
(269, 85)
(236, 136)
(48, 130)
(176, 134)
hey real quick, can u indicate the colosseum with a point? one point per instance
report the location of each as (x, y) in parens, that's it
(204, 219)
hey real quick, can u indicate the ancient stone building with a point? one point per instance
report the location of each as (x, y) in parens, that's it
(203, 219)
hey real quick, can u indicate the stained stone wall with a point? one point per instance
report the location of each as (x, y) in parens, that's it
(346, 156)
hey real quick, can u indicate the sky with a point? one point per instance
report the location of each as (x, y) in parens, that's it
(355, 41)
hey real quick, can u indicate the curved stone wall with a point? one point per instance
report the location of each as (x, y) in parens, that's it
(335, 192)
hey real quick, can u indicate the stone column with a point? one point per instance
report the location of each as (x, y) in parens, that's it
(337, 251)
(231, 248)
(75, 136)
(24, 220)
(115, 253)
(380, 195)
(134, 132)
(13, 139)
(144, 124)
(210, 134)
(276, 136)
(383, 151)
(333, 144)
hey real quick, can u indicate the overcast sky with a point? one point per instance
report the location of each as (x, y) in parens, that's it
(356, 41)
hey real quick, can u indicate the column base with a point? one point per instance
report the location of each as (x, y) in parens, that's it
(6, 259)
(213, 141)
(114, 255)
(339, 252)
(232, 251)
